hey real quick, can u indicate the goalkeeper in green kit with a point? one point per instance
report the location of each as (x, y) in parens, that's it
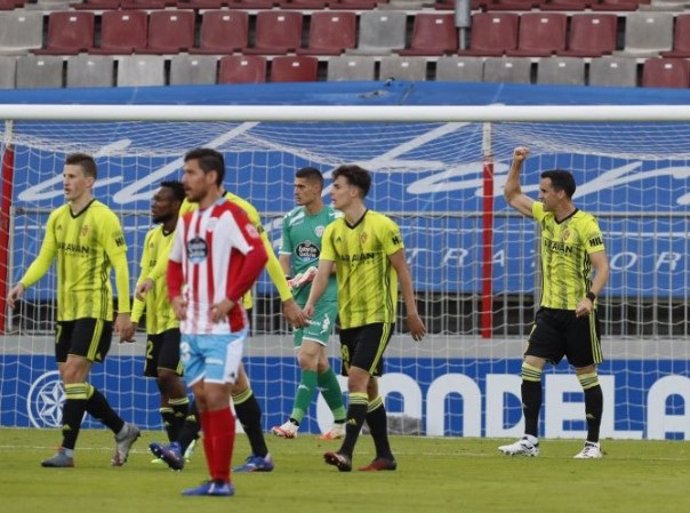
(299, 256)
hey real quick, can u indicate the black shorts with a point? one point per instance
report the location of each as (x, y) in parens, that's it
(163, 352)
(558, 333)
(363, 347)
(85, 337)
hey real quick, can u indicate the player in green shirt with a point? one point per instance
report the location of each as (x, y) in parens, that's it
(85, 239)
(162, 327)
(299, 255)
(575, 269)
(366, 250)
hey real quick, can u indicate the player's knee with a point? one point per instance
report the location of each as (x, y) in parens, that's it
(588, 379)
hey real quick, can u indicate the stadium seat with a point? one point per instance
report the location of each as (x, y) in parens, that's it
(202, 4)
(561, 70)
(591, 35)
(253, 4)
(141, 70)
(304, 4)
(39, 71)
(277, 32)
(331, 33)
(508, 70)
(8, 5)
(648, 33)
(660, 72)
(381, 32)
(301, 68)
(403, 68)
(223, 32)
(170, 32)
(681, 38)
(90, 71)
(432, 34)
(459, 69)
(97, 5)
(512, 5)
(122, 32)
(541, 34)
(351, 67)
(8, 72)
(492, 34)
(69, 33)
(405, 5)
(20, 32)
(362, 5)
(613, 72)
(193, 69)
(566, 5)
(242, 69)
(146, 4)
(616, 5)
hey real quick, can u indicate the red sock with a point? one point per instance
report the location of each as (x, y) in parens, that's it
(223, 442)
(207, 437)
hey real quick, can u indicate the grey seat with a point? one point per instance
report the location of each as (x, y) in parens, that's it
(561, 70)
(508, 70)
(8, 72)
(403, 68)
(90, 71)
(141, 70)
(351, 67)
(613, 71)
(648, 33)
(193, 69)
(381, 32)
(34, 71)
(20, 32)
(459, 69)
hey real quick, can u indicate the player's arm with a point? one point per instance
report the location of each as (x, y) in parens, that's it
(512, 190)
(318, 286)
(113, 241)
(414, 321)
(600, 265)
(138, 304)
(155, 273)
(175, 275)
(39, 267)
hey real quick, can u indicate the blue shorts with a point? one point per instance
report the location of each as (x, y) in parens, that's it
(213, 358)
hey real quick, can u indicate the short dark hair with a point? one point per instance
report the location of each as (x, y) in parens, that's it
(209, 160)
(176, 187)
(311, 174)
(355, 175)
(84, 161)
(561, 180)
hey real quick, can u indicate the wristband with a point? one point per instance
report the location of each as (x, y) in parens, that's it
(591, 296)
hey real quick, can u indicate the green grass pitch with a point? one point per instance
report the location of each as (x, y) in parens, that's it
(434, 475)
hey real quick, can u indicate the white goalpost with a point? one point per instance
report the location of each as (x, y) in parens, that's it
(439, 172)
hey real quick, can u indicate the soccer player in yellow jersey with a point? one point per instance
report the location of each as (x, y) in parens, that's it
(162, 327)
(366, 249)
(86, 240)
(246, 406)
(575, 269)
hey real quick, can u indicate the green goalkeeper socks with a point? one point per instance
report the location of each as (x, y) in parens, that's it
(305, 393)
(330, 389)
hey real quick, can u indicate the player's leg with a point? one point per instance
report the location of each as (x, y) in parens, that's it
(170, 384)
(584, 353)
(249, 414)
(333, 395)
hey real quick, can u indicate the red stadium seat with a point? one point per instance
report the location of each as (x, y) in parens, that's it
(566, 5)
(147, 4)
(681, 38)
(330, 33)
(123, 32)
(591, 35)
(541, 34)
(294, 69)
(617, 5)
(223, 32)
(69, 33)
(355, 4)
(99, 5)
(304, 4)
(277, 32)
(433, 34)
(170, 32)
(512, 5)
(202, 4)
(492, 34)
(660, 72)
(242, 69)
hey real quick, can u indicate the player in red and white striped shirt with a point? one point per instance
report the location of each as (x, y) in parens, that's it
(215, 259)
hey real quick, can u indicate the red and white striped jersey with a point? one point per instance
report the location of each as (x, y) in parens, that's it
(217, 254)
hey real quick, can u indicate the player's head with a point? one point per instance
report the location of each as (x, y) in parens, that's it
(78, 175)
(167, 201)
(308, 186)
(204, 169)
(556, 186)
(350, 183)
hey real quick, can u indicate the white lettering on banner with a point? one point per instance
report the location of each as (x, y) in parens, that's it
(667, 258)
(456, 255)
(622, 261)
(557, 410)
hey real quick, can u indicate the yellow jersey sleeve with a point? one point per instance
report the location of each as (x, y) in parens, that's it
(41, 264)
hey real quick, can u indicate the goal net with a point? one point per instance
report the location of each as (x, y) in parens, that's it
(474, 262)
